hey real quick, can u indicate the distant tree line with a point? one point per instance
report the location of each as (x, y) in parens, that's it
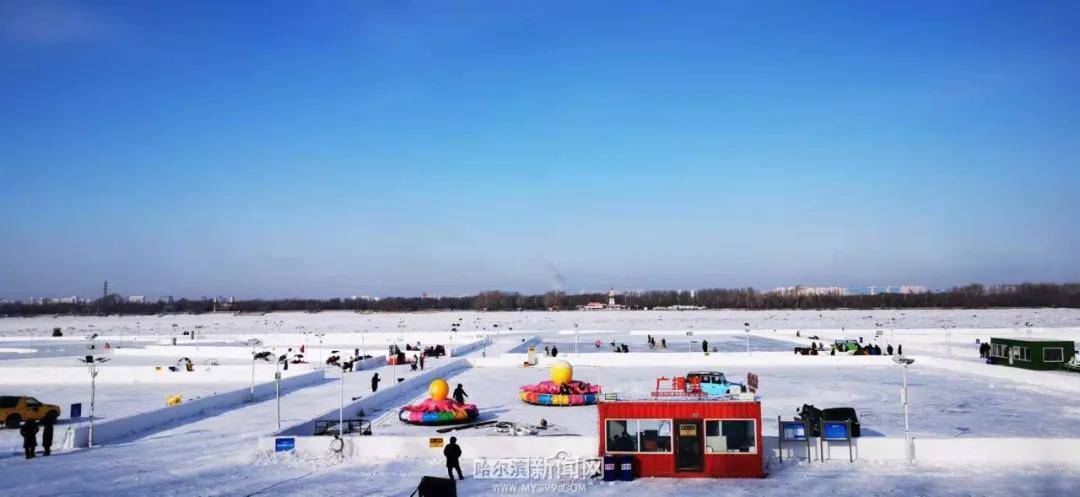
(970, 296)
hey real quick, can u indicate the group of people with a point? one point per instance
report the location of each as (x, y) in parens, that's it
(873, 349)
(653, 344)
(551, 351)
(29, 432)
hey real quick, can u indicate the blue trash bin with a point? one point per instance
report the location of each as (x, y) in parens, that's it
(611, 470)
(626, 468)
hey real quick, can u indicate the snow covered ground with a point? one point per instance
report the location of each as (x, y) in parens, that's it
(469, 321)
(215, 453)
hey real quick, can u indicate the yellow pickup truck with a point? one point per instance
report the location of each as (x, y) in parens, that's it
(14, 410)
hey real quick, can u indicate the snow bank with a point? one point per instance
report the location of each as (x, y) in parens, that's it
(939, 450)
(388, 448)
(34, 375)
(106, 432)
(694, 359)
(469, 347)
(523, 347)
(1057, 380)
(403, 391)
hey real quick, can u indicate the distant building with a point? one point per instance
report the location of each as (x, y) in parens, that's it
(912, 289)
(811, 290)
(598, 306)
(136, 299)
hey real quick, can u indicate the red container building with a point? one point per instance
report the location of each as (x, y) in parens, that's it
(685, 438)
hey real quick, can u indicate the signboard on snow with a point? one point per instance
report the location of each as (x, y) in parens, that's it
(76, 410)
(793, 431)
(835, 431)
(435, 443)
(284, 444)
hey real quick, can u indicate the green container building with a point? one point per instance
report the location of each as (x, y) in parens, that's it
(1031, 353)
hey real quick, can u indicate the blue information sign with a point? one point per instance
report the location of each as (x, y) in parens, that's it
(793, 431)
(836, 431)
(284, 444)
(76, 410)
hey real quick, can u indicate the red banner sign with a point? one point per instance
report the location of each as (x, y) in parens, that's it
(678, 386)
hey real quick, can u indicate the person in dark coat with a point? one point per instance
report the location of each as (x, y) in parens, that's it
(459, 394)
(705, 346)
(888, 349)
(554, 351)
(375, 383)
(29, 434)
(452, 451)
(47, 434)
(421, 362)
(899, 350)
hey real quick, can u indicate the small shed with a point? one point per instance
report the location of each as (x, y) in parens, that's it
(685, 438)
(1031, 353)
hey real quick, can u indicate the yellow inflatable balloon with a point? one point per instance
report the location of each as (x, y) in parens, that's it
(561, 372)
(438, 389)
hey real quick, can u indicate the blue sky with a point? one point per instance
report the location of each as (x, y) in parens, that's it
(388, 148)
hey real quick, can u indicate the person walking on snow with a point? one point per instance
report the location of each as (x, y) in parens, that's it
(899, 350)
(375, 383)
(452, 451)
(421, 361)
(47, 434)
(459, 394)
(29, 434)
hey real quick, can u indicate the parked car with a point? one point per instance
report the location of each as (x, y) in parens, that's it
(714, 383)
(14, 410)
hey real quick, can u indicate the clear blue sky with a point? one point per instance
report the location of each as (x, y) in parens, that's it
(388, 148)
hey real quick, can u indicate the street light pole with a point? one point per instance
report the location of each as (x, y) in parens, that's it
(254, 342)
(277, 389)
(92, 363)
(948, 342)
(747, 325)
(904, 363)
(577, 336)
(341, 400)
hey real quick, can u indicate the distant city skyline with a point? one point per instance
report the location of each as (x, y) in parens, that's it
(392, 148)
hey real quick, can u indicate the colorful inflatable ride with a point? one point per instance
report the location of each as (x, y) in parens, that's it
(438, 410)
(562, 390)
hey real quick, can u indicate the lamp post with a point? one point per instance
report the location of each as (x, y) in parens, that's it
(320, 335)
(254, 342)
(341, 400)
(747, 325)
(577, 335)
(277, 388)
(948, 341)
(905, 362)
(92, 363)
